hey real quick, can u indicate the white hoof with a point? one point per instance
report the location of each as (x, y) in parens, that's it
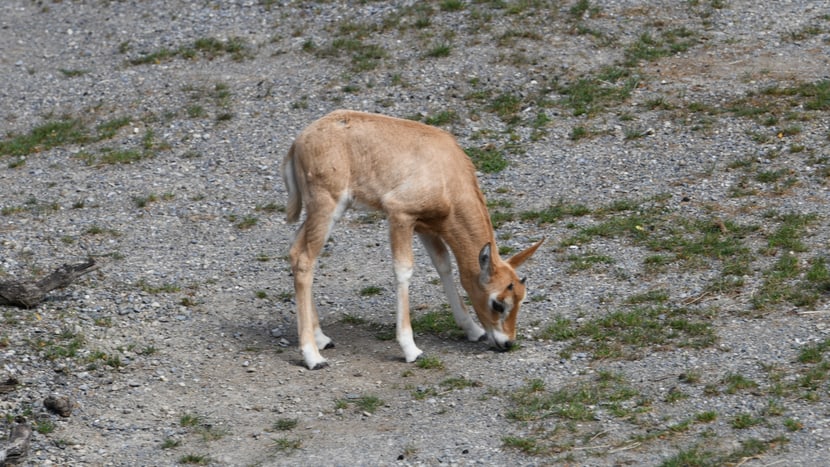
(475, 334)
(413, 355)
(323, 341)
(313, 359)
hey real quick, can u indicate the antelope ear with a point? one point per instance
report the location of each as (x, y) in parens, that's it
(516, 260)
(485, 262)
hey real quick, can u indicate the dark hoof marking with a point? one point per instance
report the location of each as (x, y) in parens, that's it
(320, 366)
(483, 338)
(508, 346)
(330, 345)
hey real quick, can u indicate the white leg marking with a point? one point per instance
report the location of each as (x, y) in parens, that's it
(403, 273)
(411, 352)
(499, 339)
(312, 357)
(321, 339)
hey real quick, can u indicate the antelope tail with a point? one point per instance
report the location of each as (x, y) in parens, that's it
(295, 196)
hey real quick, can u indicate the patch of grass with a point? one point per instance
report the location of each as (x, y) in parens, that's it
(363, 56)
(787, 282)
(352, 319)
(583, 8)
(691, 457)
(44, 426)
(649, 48)
(793, 425)
(488, 159)
(111, 156)
(788, 234)
(555, 212)
(585, 261)
(247, 222)
(287, 444)
(736, 382)
(66, 344)
(652, 296)
(194, 459)
(530, 446)
(509, 37)
(444, 117)
(430, 362)
(460, 382)
(198, 424)
(109, 128)
(370, 290)
(499, 218)
(285, 424)
(98, 230)
(576, 405)
(368, 404)
(580, 132)
(451, 5)
(440, 322)
(814, 353)
(143, 201)
(195, 111)
(634, 133)
(46, 136)
(211, 48)
(170, 287)
(589, 95)
(506, 106)
(744, 420)
(708, 416)
(675, 395)
(631, 332)
(439, 50)
(170, 443)
(32, 206)
(773, 104)
(208, 48)
(188, 420)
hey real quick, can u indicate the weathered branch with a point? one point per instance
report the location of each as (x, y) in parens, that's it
(9, 385)
(27, 294)
(18, 446)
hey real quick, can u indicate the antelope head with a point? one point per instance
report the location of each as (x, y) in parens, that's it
(499, 294)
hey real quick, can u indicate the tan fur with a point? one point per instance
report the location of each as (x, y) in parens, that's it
(425, 183)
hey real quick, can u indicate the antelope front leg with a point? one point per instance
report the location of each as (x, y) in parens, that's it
(441, 260)
(401, 239)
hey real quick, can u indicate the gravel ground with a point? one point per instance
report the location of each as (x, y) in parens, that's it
(181, 348)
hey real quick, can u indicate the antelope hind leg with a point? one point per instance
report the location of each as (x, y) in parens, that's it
(303, 256)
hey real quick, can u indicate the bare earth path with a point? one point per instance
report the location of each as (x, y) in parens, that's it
(676, 155)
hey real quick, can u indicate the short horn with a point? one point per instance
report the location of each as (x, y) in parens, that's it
(519, 258)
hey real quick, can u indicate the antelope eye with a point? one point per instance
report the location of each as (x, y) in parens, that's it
(510, 287)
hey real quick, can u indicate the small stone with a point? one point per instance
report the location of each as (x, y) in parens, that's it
(61, 405)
